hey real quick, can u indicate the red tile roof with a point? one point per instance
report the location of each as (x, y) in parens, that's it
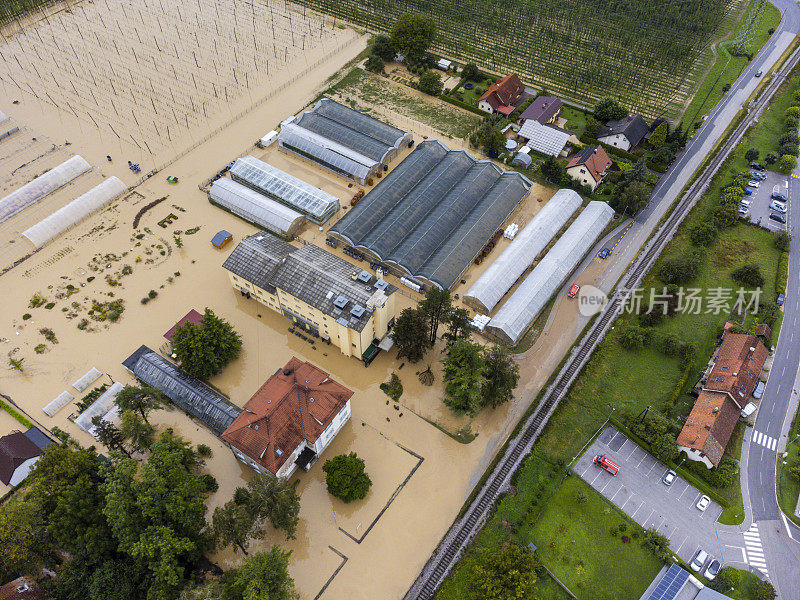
(709, 426)
(191, 317)
(595, 159)
(10, 591)
(15, 449)
(738, 364)
(298, 401)
(504, 92)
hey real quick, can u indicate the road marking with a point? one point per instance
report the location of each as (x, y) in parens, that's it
(767, 441)
(786, 525)
(755, 552)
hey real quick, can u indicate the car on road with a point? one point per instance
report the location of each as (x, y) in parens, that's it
(757, 166)
(779, 196)
(669, 477)
(777, 206)
(759, 73)
(605, 463)
(754, 183)
(748, 410)
(780, 299)
(712, 570)
(604, 253)
(573, 291)
(777, 217)
(702, 503)
(699, 560)
(759, 391)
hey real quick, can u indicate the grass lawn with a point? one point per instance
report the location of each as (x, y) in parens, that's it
(746, 590)
(727, 68)
(575, 543)
(576, 120)
(788, 489)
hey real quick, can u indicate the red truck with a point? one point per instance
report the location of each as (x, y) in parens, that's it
(602, 461)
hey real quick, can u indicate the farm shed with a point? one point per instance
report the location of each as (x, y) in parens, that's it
(543, 138)
(73, 213)
(343, 140)
(522, 159)
(432, 215)
(188, 393)
(316, 205)
(516, 315)
(45, 184)
(507, 268)
(255, 208)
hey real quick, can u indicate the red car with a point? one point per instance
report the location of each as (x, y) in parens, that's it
(573, 291)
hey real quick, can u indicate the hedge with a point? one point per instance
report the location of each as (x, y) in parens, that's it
(21, 419)
(782, 274)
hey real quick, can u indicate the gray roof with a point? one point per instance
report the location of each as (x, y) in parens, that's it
(633, 127)
(36, 435)
(254, 207)
(310, 274)
(542, 109)
(544, 138)
(190, 394)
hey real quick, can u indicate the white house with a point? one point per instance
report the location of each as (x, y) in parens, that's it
(624, 134)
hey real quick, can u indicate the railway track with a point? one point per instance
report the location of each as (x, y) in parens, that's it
(462, 531)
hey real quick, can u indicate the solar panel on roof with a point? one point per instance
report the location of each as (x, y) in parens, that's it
(340, 302)
(671, 584)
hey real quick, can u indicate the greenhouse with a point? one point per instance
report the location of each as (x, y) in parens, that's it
(507, 268)
(343, 140)
(255, 208)
(45, 184)
(73, 213)
(544, 138)
(432, 215)
(521, 309)
(102, 408)
(287, 189)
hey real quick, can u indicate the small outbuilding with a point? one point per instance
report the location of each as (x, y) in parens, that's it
(221, 239)
(444, 64)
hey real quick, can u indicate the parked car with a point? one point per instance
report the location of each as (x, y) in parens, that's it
(779, 196)
(777, 217)
(777, 206)
(712, 570)
(669, 477)
(743, 210)
(702, 503)
(745, 202)
(604, 253)
(699, 560)
(754, 183)
(780, 299)
(759, 391)
(757, 166)
(757, 176)
(573, 291)
(748, 410)
(748, 192)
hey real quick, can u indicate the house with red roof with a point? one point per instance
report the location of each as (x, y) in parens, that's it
(502, 95)
(290, 420)
(589, 166)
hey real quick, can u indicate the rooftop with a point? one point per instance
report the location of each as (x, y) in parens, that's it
(22, 588)
(191, 317)
(594, 158)
(633, 127)
(504, 92)
(542, 109)
(709, 426)
(544, 138)
(15, 449)
(738, 364)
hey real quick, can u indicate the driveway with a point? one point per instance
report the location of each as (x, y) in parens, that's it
(638, 491)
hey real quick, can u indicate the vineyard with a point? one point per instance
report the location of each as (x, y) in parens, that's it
(646, 54)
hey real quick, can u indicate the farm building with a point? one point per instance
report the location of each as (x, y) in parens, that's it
(186, 392)
(343, 140)
(47, 183)
(544, 138)
(589, 166)
(433, 214)
(321, 293)
(73, 213)
(543, 109)
(255, 208)
(507, 268)
(502, 96)
(316, 205)
(290, 420)
(521, 309)
(626, 133)
(221, 239)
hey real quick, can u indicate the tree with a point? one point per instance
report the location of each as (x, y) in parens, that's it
(770, 158)
(751, 155)
(412, 34)
(24, 542)
(500, 377)
(638, 172)
(273, 498)
(382, 47)
(136, 431)
(262, 576)
(436, 305)
(659, 136)
(680, 269)
(430, 82)
(657, 543)
(109, 435)
(726, 215)
(204, 350)
(748, 275)
(458, 325)
(235, 525)
(631, 198)
(471, 72)
(504, 573)
(608, 109)
(592, 127)
(492, 140)
(782, 241)
(787, 164)
(346, 478)
(463, 377)
(763, 590)
(553, 170)
(703, 234)
(410, 334)
(142, 399)
(664, 447)
(374, 63)
(633, 338)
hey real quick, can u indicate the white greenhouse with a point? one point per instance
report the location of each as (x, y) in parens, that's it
(103, 407)
(43, 185)
(516, 315)
(317, 205)
(255, 208)
(73, 213)
(501, 275)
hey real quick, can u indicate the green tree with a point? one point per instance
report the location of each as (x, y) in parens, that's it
(763, 590)
(204, 350)
(412, 34)
(136, 431)
(346, 478)
(463, 377)
(436, 306)
(410, 334)
(659, 135)
(500, 377)
(553, 170)
(787, 163)
(631, 198)
(664, 447)
(703, 234)
(25, 545)
(657, 543)
(503, 573)
(235, 525)
(633, 338)
(751, 155)
(748, 275)
(374, 63)
(430, 82)
(638, 172)
(109, 435)
(471, 72)
(680, 269)
(458, 327)
(273, 498)
(382, 47)
(262, 576)
(592, 127)
(608, 109)
(142, 399)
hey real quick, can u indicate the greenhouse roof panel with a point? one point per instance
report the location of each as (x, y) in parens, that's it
(341, 134)
(543, 138)
(354, 119)
(254, 207)
(327, 151)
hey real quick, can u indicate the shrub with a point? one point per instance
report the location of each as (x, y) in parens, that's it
(346, 477)
(152, 294)
(145, 300)
(782, 241)
(787, 164)
(374, 63)
(83, 324)
(26, 316)
(680, 269)
(782, 274)
(471, 72)
(722, 476)
(751, 155)
(209, 483)
(789, 148)
(49, 305)
(204, 450)
(748, 275)
(763, 590)
(703, 234)
(430, 82)
(40, 348)
(394, 388)
(633, 338)
(789, 137)
(36, 300)
(770, 158)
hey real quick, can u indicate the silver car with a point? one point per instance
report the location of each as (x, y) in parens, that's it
(699, 560)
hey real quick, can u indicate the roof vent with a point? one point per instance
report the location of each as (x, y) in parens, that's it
(357, 311)
(354, 275)
(364, 277)
(753, 349)
(255, 427)
(311, 398)
(716, 409)
(329, 295)
(23, 588)
(278, 451)
(381, 284)
(287, 372)
(340, 302)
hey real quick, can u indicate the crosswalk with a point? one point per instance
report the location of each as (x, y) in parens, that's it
(754, 550)
(769, 442)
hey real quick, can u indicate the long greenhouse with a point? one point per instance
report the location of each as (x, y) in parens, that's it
(255, 208)
(318, 206)
(433, 214)
(343, 140)
(516, 315)
(507, 268)
(73, 213)
(45, 184)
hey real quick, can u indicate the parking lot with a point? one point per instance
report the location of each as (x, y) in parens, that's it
(639, 492)
(760, 200)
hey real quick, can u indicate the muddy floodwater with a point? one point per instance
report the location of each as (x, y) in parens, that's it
(56, 302)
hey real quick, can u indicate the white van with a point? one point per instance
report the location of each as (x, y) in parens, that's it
(748, 410)
(699, 560)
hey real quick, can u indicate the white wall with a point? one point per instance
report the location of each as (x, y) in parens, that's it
(22, 471)
(694, 455)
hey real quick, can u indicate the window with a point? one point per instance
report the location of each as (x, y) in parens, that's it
(583, 171)
(354, 345)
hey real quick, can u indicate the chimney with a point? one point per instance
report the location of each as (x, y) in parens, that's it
(708, 426)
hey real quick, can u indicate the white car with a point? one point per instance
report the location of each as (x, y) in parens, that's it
(702, 505)
(745, 202)
(743, 211)
(748, 410)
(777, 206)
(753, 183)
(699, 560)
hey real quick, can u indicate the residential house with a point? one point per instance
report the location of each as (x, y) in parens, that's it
(290, 420)
(728, 383)
(624, 134)
(19, 452)
(318, 291)
(502, 96)
(589, 166)
(22, 588)
(544, 109)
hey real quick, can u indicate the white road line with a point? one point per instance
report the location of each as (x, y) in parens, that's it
(682, 543)
(757, 437)
(774, 444)
(637, 510)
